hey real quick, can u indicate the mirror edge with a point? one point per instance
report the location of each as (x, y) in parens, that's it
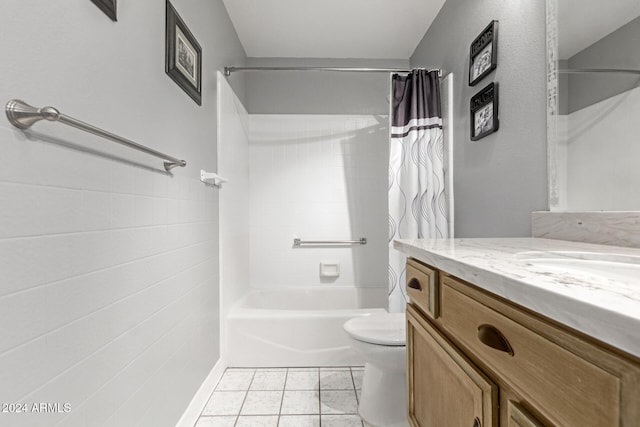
(552, 104)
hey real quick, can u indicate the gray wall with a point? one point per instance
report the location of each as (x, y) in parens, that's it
(620, 49)
(109, 284)
(500, 179)
(291, 92)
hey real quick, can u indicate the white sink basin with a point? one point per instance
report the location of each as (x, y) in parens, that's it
(604, 265)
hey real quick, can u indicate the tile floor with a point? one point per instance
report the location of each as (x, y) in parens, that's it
(285, 397)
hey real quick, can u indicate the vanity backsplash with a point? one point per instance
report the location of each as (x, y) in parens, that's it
(601, 227)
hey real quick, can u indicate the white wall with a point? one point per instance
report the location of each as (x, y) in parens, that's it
(601, 158)
(500, 179)
(233, 164)
(318, 177)
(109, 267)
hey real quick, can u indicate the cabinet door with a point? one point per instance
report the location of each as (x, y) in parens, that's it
(520, 417)
(444, 388)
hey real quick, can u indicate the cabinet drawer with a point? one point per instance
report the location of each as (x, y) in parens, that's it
(568, 389)
(422, 287)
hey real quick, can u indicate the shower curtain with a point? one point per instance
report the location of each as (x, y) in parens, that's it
(417, 200)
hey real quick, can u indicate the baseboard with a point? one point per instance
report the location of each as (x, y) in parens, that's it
(193, 411)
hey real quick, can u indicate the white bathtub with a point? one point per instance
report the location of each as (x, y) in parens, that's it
(297, 326)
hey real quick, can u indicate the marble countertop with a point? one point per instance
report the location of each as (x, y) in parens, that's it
(606, 307)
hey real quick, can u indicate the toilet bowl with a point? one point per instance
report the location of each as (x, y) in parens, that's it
(380, 339)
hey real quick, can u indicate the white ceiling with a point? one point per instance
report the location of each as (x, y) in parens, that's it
(581, 23)
(332, 28)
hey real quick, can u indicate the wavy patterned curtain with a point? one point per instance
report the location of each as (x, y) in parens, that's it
(417, 202)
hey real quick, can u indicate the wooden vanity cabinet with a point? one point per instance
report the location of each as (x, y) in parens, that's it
(483, 361)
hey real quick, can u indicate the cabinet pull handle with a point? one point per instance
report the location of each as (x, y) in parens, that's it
(476, 422)
(414, 284)
(491, 336)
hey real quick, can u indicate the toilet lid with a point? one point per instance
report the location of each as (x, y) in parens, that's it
(382, 328)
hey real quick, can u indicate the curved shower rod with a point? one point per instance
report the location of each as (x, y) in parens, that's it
(229, 70)
(598, 70)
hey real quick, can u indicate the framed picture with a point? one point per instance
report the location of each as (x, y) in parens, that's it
(183, 55)
(108, 7)
(484, 112)
(483, 55)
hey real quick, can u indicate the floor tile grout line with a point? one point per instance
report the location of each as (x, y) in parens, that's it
(319, 398)
(246, 393)
(284, 385)
(355, 390)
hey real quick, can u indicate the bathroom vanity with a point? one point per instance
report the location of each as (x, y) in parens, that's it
(522, 332)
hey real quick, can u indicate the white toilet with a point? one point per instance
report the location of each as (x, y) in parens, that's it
(381, 339)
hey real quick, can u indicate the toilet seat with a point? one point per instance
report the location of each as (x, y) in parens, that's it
(383, 329)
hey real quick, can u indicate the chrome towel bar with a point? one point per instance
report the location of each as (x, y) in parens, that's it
(298, 242)
(23, 115)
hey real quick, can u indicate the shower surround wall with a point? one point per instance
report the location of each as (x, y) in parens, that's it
(108, 267)
(318, 177)
(233, 165)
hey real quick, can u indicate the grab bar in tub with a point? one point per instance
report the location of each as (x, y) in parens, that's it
(298, 242)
